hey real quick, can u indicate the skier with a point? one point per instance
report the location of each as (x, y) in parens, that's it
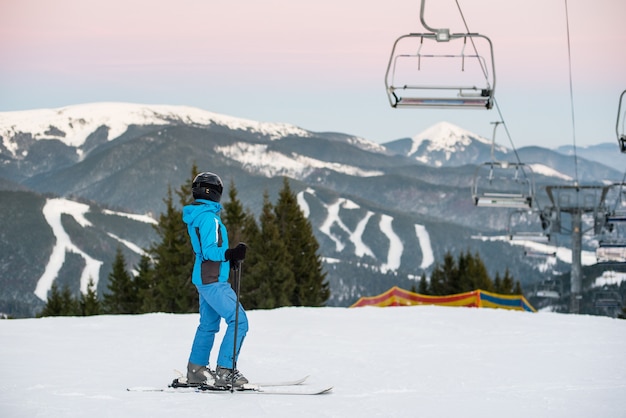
(213, 260)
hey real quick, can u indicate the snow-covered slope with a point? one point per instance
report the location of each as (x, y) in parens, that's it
(422, 361)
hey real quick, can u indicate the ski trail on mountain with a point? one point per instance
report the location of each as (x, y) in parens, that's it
(396, 248)
(356, 236)
(52, 211)
(423, 237)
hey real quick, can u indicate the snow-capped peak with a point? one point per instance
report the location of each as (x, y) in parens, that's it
(445, 136)
(73, 124)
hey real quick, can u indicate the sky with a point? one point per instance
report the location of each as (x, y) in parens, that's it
(319, 65)
(420, 361)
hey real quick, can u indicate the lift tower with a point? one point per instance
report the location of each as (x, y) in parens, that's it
(577, 200)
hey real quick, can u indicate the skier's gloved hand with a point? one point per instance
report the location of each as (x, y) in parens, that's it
(234, 255)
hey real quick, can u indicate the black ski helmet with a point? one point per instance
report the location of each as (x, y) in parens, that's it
(207, 186)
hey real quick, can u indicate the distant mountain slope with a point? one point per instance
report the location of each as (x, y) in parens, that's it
(384, 215)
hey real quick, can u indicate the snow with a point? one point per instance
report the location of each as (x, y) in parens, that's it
(428, 258)
(564, 254)
(79, 121)
(445, 136)
(257, 159)
(544, 170)
(610, 277)
(140, 218)
(422, 361)
(396, 248)
(395, 245)
(52, 211)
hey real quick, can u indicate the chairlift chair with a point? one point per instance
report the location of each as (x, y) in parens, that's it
(616, 204)
(540, 254)
(503, 185)
(608, 252)
(548, 289)
(434, 70)
(612, 244)
(525, 225)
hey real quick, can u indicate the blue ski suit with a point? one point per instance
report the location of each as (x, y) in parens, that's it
(209, 240)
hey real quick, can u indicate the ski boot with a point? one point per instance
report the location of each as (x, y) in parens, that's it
(199, 375)
(225, 377)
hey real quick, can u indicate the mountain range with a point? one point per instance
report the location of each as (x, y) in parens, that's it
(78, 182)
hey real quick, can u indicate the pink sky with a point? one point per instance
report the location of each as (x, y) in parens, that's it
(319, 65)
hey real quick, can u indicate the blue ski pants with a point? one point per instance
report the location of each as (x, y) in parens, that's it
(217, 301)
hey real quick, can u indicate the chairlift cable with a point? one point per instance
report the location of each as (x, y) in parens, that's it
(571, 92)
(506, 129)
(495, 101)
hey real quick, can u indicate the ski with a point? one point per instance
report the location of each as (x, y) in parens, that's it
(273, 390)
(287, 387)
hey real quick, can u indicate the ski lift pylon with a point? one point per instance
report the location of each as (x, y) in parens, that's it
(419, 66)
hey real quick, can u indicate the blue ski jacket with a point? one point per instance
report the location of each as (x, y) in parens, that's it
(209, 240)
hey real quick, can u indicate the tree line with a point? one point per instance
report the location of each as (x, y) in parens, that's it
(465, 274)
(282, 266)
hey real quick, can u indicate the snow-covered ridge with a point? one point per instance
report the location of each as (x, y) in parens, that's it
(257, 159)
(549, 171)
(73, 124)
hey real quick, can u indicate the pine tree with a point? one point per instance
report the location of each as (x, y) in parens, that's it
(477, 274)
(121, 298)
(451, 278)
(256, 292)
(464, 284)
(273, 269)
(54, 304)
(437, 281)
(69, 303)
(508, 283)
(234, 217)
(89, 303)
(497, 284)
(144, 285)
(173, 263)
(423, 286)
(306, 265)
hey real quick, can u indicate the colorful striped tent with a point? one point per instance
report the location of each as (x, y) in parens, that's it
(477, 298)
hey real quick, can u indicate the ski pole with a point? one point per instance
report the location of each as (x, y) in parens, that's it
(237, 287)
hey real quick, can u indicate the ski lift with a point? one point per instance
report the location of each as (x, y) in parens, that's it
(609, 252)
(529, 225)
(548, 289)
(612, 243)
(540, 254)
(617, 193)
(607, 298)
(421, 66)
(621, 134)
(503, 184)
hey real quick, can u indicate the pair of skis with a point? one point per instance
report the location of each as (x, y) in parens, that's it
(292, 387)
